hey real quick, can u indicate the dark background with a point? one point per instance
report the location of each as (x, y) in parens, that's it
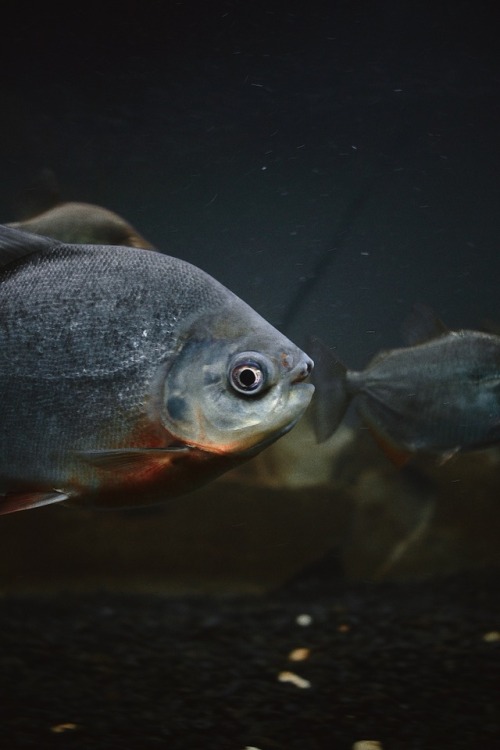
(266, 140)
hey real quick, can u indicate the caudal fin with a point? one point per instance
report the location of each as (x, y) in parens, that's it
(331, 399)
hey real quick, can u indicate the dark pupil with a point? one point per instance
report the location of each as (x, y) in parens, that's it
(247, 378)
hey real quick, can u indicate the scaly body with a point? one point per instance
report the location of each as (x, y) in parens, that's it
(116, 373)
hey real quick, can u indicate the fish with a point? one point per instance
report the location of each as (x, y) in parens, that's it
(438, 396)
(84, 223)
(129, 377)
(41, 209)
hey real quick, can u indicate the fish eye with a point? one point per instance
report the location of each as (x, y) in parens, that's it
(247, 374)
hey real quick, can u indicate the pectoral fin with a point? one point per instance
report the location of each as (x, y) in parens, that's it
(128, 458)
(15, 501)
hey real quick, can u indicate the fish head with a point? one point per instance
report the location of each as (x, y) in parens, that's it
(233, 386)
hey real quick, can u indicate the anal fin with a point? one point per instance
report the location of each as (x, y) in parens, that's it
(15, 501)
(397, 454)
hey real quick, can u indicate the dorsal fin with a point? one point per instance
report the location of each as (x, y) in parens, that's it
(421, 325)
(16, 244)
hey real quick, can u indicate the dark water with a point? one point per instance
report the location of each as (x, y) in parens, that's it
(238, 136)
(332, 163)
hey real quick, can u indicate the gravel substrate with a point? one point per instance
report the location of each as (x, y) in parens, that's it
(404, 665)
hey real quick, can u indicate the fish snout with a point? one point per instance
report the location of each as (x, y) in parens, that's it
(302, 370)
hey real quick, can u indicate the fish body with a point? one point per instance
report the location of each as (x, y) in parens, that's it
(439, 396)
(127, 377)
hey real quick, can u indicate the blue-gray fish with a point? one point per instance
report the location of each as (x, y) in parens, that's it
(438, 396)
(128, 376)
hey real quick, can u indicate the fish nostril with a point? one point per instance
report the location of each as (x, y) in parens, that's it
(303, 371)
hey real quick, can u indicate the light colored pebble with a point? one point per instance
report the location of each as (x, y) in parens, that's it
(295, 679)
(60, 728)
(299, 654)
(304, 620)
(492, 636)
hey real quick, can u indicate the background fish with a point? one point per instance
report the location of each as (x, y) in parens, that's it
(83, 223)
(44, 212)
(439, 396)
(127, 377)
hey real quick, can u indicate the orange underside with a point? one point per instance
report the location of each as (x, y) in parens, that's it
(398, 455)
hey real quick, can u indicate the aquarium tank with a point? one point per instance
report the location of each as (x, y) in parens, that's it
(336, 166)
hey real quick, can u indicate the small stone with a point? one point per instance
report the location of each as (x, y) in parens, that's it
(304, 620)
(295, 679)
(492, 637)
(299, 654)
(60, 728)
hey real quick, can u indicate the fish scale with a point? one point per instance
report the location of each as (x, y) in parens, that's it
(102, 310)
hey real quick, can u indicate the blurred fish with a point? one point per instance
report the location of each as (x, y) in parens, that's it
(83, 223)
(44, 212)
(438, 396)
(128, 377)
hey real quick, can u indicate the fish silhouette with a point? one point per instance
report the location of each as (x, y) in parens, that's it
(441, 395)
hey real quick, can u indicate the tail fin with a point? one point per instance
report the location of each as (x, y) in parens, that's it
(331, 398)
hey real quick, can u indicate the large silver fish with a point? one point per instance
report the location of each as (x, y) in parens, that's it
(127, 377)
(439, 396)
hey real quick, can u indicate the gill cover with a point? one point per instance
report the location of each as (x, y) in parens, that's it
(220, 397)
